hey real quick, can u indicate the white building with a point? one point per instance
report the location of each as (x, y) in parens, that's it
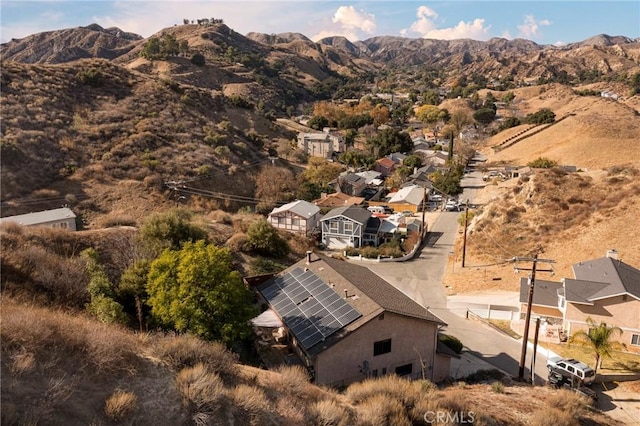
(57, 218)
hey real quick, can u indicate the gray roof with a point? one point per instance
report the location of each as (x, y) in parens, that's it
(299, 207)
(353, 177)
(380, 291)
(42, 217)
(355, 213)
(619, 278)
(582, 291)
(545, 293)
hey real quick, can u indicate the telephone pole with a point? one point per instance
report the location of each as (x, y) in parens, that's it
(532, 282)
(464, 236)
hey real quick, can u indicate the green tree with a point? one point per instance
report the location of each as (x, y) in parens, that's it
(412, 162)
(542, 116)
(102, 304)
(264, 239)
(390, 140)
(132, 291)
(170, 230)
(318, 122)
(484, 115)
(195, 290)
(599, 337)
(431, 115)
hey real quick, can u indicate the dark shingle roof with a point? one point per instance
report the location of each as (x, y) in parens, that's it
(355, 213)
(619, 277)
(545, 293)
(379, 290)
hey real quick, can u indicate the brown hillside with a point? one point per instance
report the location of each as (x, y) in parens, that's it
(61, 369)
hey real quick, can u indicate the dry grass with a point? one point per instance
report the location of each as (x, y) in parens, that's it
(119, 405)
(329, 413)
(201, 388)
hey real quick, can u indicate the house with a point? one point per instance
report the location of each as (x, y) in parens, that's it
(347, 324)
(397, 157)
(385, 166)
(604, 289)
(337, 199)
(320, 144)
(297, 216)
(351, 184)
(62, 218)
(344, 227)
(409, 198)
(371, 177)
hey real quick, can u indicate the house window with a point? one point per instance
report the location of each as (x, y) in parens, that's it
(333, 226)
(295, 221)
(348, 227)
(384, 371)
(381, 347)
(624, 297)
(404, 370)
(374, 373)
(64, 225)
(635, 339)
(281, 220)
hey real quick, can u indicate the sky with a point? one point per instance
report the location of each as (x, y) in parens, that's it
(544, 22)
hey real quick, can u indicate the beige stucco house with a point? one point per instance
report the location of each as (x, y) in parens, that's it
(298, 216)
(346, 323)
(604, 289)
(320, 144)
(62, 218)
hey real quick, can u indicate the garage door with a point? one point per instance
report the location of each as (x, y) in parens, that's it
(338, 243)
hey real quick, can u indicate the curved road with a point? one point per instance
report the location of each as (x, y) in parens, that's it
(421, 279)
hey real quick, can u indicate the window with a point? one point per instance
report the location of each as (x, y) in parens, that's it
(635, 339)
(348, 227)
(404, 370)
(64, 225)
(281, 220)
(382, 347)
(333, 226)
(374, 373)
(295, 221)
(384, 371)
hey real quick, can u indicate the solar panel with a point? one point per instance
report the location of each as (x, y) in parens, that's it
(308, 306)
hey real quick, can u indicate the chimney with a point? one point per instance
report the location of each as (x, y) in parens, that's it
(308, 257)
(612, 253)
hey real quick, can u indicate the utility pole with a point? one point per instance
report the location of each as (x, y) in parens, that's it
(535, 348)
(532, 283)
(464, 236)
(424, 207)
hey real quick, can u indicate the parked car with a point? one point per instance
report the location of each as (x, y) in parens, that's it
(574, 367)
(451, 206)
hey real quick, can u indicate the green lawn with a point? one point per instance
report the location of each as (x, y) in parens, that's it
(619, 362)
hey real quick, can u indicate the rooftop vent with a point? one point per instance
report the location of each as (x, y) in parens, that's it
(612, 253)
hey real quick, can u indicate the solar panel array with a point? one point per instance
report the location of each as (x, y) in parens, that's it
(308, 306)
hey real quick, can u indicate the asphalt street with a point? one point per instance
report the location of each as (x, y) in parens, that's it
(421, 279)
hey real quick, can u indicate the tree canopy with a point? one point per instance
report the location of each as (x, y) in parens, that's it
(391, 140)
(170, 230)
(195, 290)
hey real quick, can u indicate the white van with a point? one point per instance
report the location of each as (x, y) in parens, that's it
(376, 209)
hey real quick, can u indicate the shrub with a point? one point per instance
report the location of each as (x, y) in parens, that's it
(119, 405)
(265, 239)
(292, 380)
(91, 77)
(198, 59)
(543, 116)
(201, 387)
(253, 402)
(497, 387)
(328, 413)
(180, 351)
(238, 243)
(370, 252)
(569, 402)
(552, 416)
(451, 342)
(542, 163)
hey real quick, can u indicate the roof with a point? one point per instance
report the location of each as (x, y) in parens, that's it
(619, 277)
(545, 293)
(338, 199)
(299, 207)
(370, 176)
(409, 194)
(367, 293)
(42, 217)
(386, 162)
(355, 213)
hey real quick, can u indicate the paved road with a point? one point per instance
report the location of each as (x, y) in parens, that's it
(421, 279)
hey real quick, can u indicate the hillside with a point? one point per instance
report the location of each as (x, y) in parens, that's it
(60, 368)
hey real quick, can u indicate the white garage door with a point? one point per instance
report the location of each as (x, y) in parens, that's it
(338, 243)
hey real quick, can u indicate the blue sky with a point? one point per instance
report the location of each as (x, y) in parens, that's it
(545, 22)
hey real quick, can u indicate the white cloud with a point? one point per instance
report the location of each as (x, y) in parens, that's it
(560, 43)
(350, 18)
(348, 22)
(507, 34)
(426, 26)
(530, 28)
